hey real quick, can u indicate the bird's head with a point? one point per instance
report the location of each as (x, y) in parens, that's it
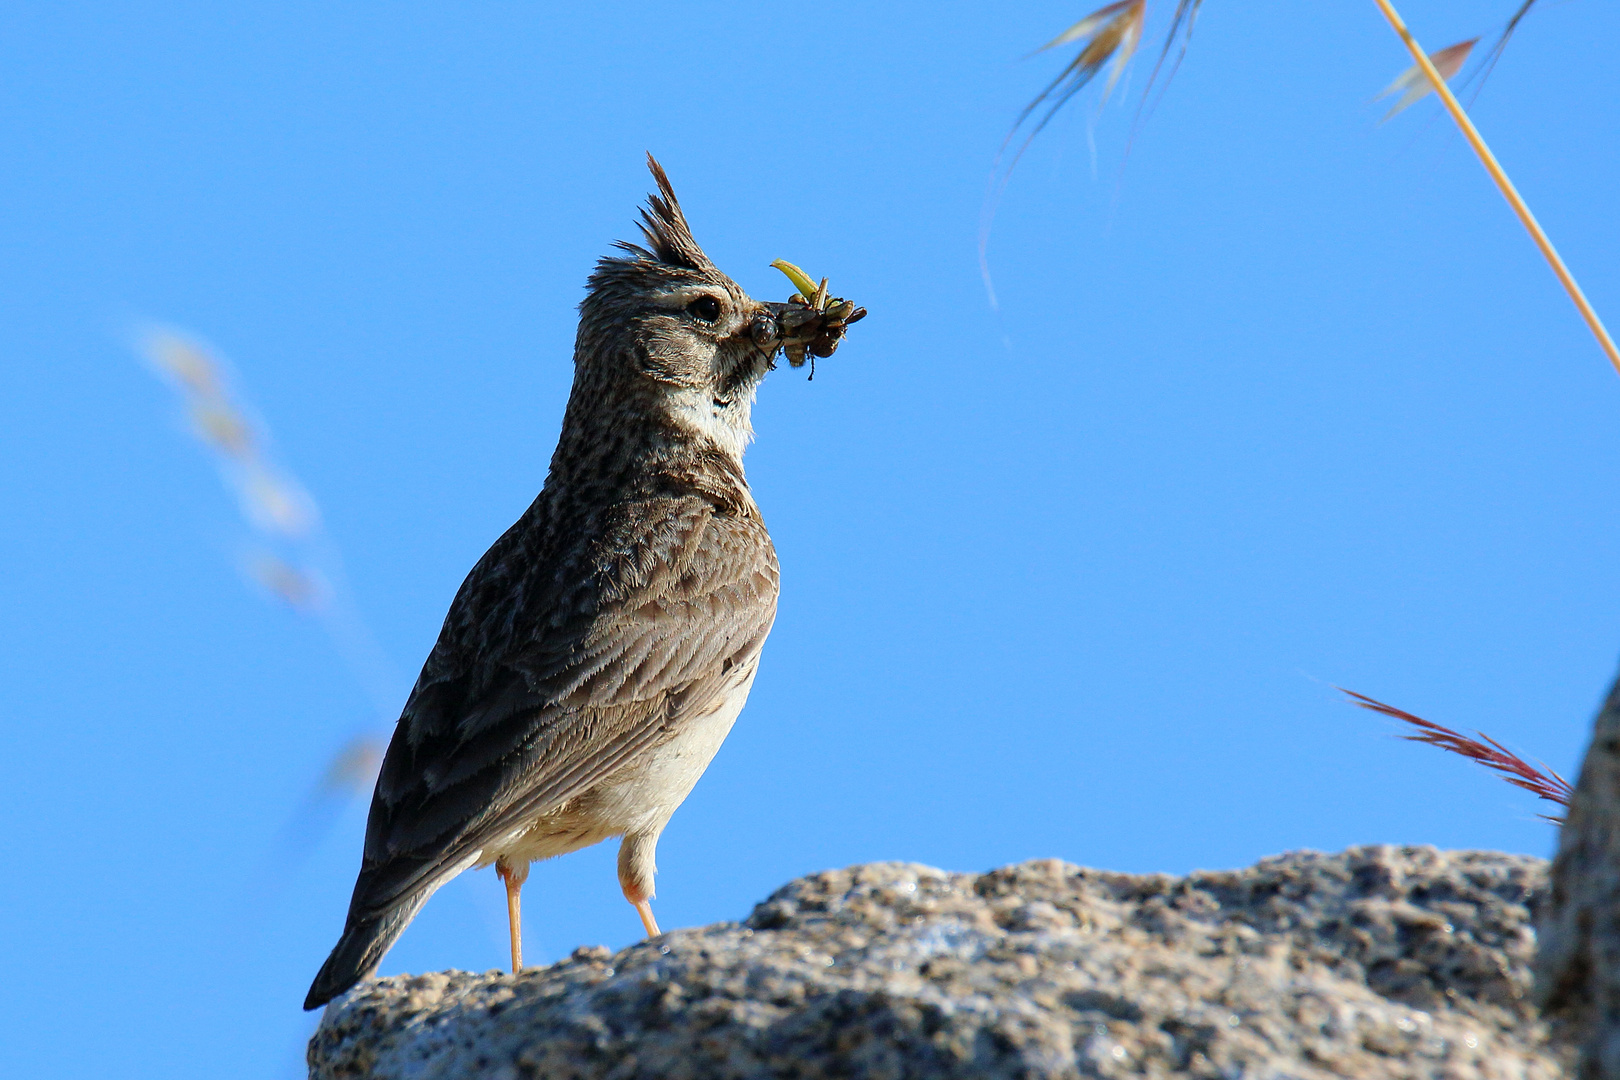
(663, 329)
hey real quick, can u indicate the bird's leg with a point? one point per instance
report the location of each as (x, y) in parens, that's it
(514, 875)
(644, 909)
(636, 870)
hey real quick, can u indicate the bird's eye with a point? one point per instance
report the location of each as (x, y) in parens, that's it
(706, 308)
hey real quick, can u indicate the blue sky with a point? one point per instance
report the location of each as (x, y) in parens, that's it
(1287, 401)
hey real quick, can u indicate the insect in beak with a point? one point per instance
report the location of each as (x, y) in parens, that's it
(811, 321)
(765, 331)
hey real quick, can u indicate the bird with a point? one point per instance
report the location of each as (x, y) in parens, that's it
(597, 655)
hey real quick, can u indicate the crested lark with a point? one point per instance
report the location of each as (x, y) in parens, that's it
(597, 655)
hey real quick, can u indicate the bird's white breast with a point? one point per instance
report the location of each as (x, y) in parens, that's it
(639, 798)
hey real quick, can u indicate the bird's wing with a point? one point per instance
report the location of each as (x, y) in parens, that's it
(599, 676)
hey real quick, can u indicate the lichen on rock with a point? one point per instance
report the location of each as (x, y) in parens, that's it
(1375, 962)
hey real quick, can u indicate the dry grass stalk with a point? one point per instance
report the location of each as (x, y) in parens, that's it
(1543, 783)
(1500, 177)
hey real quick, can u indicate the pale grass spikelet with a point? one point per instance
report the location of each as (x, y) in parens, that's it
(354, 769)
(1413, 83)
(186, 361)
(221, 429)
(299, 588)
(1541, 782)
(275, 503)
(1110, 33)
(271, 500)
(290, 558)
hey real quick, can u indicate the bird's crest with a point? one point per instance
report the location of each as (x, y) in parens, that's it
(669, 238)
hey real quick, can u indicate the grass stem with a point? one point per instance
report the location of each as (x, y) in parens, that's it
(1509, 192)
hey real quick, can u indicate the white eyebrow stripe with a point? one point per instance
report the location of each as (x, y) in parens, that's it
(679, 298)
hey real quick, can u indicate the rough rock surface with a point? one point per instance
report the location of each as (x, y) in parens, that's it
(1377, 962)
(1578, 969)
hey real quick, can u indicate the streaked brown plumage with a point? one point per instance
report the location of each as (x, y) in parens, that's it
(597, 654)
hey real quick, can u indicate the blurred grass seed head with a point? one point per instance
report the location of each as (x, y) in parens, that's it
(1413, 84)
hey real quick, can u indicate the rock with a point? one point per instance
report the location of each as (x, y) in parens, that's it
(1578, 969)
(1377, 962)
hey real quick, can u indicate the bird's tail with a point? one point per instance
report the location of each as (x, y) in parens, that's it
(358, 952)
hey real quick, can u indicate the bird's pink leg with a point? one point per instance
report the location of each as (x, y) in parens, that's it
(644, 909)
(514, 877)
(636, 872)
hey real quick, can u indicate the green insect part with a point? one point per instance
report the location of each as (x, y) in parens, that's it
(801, 280)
